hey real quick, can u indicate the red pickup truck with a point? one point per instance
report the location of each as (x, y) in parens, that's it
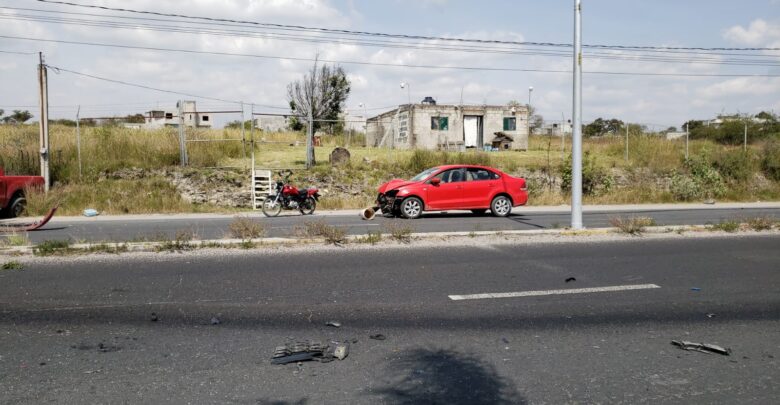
(12, 200)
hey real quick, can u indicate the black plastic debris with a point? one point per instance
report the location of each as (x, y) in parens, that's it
(215, 321)
(377, 336)
(153, 317)
(701, 347)
(570, 279)
(309, 351)
(334, 324)
(711, 315)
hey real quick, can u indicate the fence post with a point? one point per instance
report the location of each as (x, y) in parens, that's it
(78, 138)
(182, 137)
(310, 141)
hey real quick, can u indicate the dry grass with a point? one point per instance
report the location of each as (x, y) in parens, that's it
(334, 235)
(245, 228)
(632, 225)
(399, 231)
(762, 223)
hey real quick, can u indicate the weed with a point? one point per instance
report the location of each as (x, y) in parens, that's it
(247, 244)
(761, 223)
(556, 225)
(335, 235)
(12, 265)
(180, 243)
(401, 233)
(106, 248)
(52, 247)
(633, 225)
(726, 225)
(371, 238)
(246, 228)
(15, 239)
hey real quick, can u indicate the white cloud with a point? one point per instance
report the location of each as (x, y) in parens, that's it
(758, 33)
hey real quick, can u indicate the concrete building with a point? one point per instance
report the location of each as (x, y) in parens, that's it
(272, 123)
(448, 127)
(169, 118)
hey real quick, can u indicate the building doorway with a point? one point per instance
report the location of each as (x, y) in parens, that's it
(472, 131)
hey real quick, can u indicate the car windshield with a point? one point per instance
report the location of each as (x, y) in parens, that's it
(424, 174)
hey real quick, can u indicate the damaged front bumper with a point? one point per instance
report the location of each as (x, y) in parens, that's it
(387, 202)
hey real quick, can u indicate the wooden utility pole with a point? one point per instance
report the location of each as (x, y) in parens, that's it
(44, 121)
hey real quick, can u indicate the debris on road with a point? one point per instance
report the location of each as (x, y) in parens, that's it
(310, 350)
(334, 324)
(153, 317)
(711, 315)
(701, 347)
(695, 289)
(90, 212)
(570, 279)
(377, 336)
(215, 321)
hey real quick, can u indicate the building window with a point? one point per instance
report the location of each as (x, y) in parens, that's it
(168, 116)
(204, 118)
(510, 124)
(440, 123)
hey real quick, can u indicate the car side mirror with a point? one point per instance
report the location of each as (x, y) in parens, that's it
(435, 181)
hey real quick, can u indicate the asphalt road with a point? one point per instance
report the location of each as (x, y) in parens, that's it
(81, 330)
(120, 230)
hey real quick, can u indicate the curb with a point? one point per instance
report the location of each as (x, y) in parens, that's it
(183, 246)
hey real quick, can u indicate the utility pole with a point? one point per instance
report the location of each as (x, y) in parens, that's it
(687, 127)
(528, 116)
(563, 136)
(182, 138)
(78, 137)
(243, 130)
(43, 87)
(310, 141)
(626, 142)
(576, 161)
(744, 147)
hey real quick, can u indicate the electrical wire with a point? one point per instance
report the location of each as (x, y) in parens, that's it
(395, 65)
(401, 36)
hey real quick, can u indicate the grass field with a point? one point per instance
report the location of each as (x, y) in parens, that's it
(108, 149)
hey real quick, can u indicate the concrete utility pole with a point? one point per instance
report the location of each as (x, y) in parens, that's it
(744, 147)
(626, 142)
(43, 87)
(310, 141)
(687, 126)
(243, 130)
(78, 138)
(182, 138)
(576, 160)
(528, 116)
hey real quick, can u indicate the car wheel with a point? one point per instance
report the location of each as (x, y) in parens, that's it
(501, 206)
(17, 207)
(478, 212)
(412, 208)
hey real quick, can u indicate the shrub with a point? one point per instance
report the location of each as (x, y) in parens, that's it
(735, 164)
(51, 247)
(633, 225)
(729, 225)
(595, 179)
(12, 265)
(770, 163)
(244, 227)
(761, 223)
(698, 180)
(335, 235)
(400, 232)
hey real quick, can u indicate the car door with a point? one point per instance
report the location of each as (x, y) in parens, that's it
(448, 193)
(479, 188)
(3, 191)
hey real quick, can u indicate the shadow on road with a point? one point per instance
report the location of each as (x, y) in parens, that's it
(425, 376)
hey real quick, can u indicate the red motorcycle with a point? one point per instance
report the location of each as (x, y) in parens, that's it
(289, 197)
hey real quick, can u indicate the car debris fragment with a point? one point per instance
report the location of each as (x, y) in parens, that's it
(334, 324)
(297, 352)
(153, 317)
(377, 336)
(215, 321)
(701, 347)
(570, 279)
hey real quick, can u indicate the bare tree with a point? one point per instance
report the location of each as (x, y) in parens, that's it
(320, 95)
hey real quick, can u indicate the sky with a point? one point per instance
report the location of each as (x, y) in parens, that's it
(656, 101)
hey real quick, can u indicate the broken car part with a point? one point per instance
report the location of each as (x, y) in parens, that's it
(701, 347)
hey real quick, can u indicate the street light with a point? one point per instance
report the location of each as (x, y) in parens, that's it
(405, 85)
(576, 150)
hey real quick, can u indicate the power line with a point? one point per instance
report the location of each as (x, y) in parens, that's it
(396, 65)
(400, 36)
(18, 53)
(674, 57)
(59, 69)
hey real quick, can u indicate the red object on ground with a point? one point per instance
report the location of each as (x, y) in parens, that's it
(30, 226)
(454, 187)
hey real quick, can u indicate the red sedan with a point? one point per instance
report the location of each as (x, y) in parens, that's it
(454, 187)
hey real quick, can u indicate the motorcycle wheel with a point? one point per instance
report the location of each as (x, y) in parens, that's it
(307, 206)
(271, 207)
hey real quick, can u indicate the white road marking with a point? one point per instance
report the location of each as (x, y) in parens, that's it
(553, 292)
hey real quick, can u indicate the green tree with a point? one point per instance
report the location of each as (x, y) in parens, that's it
(19, 116)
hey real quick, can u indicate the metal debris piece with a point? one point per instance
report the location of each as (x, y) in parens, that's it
(701, 347)
(570, 279)
(334, 324)
(378, 336)
(215, 321)
(710, 315)
(154, 317)
(301, 351)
